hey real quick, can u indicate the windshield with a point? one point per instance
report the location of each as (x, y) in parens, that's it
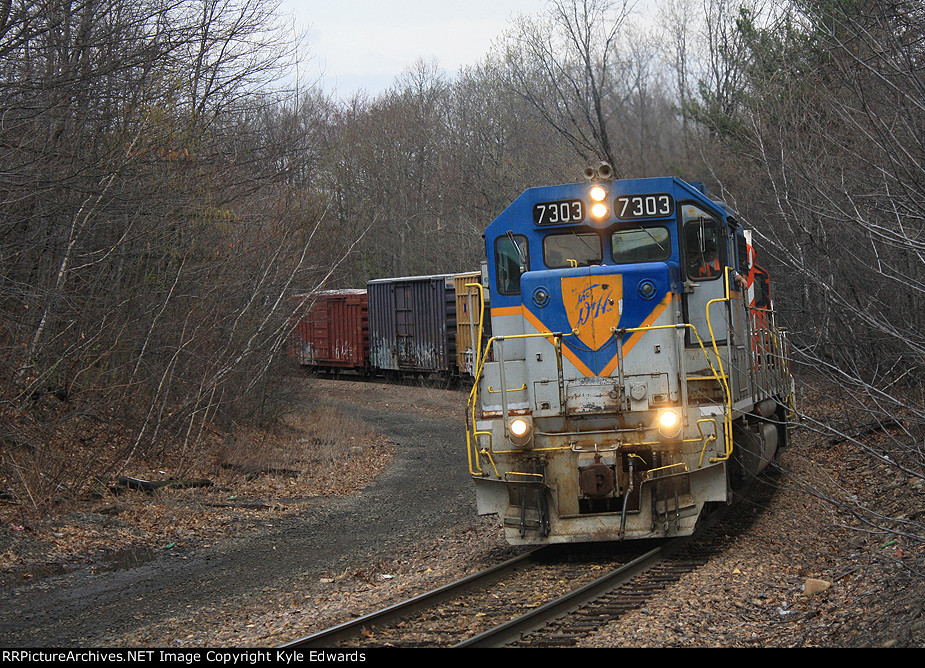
(649, 244)
(572, 250)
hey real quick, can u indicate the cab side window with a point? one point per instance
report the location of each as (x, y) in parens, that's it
(745, 260)
(762, 290)
(703, 246)
(511, 256)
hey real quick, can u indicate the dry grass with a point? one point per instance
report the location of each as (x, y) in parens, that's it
(253, 474)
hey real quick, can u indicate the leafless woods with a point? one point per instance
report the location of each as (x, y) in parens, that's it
(162, 196)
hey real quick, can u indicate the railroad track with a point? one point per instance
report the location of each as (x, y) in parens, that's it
(561, 622)
(512, 601)
(446, 615)
(552, 596)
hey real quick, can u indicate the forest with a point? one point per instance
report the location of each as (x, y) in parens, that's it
(167, 189)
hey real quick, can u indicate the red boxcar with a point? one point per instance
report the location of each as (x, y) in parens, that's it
(334, 332)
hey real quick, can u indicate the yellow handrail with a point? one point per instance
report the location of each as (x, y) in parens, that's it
(523, 473)
(471, 446)
(648, 474)
(474, 467)
(724, 381)
(492, 390)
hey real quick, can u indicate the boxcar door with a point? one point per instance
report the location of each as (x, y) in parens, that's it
(404, 325)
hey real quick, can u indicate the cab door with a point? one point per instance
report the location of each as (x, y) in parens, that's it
(704, 261)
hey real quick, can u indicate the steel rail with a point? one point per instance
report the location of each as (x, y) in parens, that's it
(352, 628)
(539, 617)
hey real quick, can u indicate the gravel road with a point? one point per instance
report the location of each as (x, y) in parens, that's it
(425, 493)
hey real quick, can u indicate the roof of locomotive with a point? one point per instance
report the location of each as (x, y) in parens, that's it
(521, 209)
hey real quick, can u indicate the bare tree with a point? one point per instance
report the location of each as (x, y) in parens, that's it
(156, 215)
(567, 66)
(828, 124)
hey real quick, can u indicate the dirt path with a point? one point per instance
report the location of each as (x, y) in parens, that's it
(211, 596)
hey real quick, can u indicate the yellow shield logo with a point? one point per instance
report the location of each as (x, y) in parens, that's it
(593, 305)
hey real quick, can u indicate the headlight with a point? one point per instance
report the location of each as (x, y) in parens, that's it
(598, 209)
(520, 430)
(669, 423)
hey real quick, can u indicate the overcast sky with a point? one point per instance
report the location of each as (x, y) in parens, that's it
(365, 44)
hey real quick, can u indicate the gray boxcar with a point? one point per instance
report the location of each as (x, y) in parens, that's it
(412, 324)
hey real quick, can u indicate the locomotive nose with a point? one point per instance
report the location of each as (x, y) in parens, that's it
(592, 302)
(593, 305)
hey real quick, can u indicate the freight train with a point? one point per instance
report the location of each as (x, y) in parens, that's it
(627, 369)
(414, 326)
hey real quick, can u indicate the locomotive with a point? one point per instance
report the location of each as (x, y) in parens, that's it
(635, 376)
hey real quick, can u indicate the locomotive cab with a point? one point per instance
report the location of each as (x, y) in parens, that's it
(623, 364)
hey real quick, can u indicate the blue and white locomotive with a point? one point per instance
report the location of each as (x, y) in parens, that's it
(635, 375)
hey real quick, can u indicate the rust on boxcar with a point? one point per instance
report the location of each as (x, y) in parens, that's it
(334, 331)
